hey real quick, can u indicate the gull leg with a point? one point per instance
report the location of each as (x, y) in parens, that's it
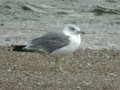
(58, 65)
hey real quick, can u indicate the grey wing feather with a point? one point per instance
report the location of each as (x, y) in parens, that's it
(49, 42)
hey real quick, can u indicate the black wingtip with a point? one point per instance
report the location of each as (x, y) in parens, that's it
(18, 47)
(21, 48)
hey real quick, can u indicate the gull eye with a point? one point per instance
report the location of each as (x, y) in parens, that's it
(72, 28)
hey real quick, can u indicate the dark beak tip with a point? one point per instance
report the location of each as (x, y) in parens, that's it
(82, 32)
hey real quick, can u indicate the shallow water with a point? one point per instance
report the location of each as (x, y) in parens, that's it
(21, 21)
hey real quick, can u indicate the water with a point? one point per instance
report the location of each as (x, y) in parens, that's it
(21, 21)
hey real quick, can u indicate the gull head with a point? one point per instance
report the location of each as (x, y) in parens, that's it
(71, 29)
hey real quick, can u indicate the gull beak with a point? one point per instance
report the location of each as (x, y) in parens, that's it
(82, 32)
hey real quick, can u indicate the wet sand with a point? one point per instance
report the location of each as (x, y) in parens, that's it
(84, 70)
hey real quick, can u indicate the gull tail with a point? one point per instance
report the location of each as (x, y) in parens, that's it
(18, 47)
(21, 48)
(24, 48)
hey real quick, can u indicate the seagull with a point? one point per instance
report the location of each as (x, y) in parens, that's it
(57, 43)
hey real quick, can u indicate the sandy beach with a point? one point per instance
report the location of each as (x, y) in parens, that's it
(84, 70)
